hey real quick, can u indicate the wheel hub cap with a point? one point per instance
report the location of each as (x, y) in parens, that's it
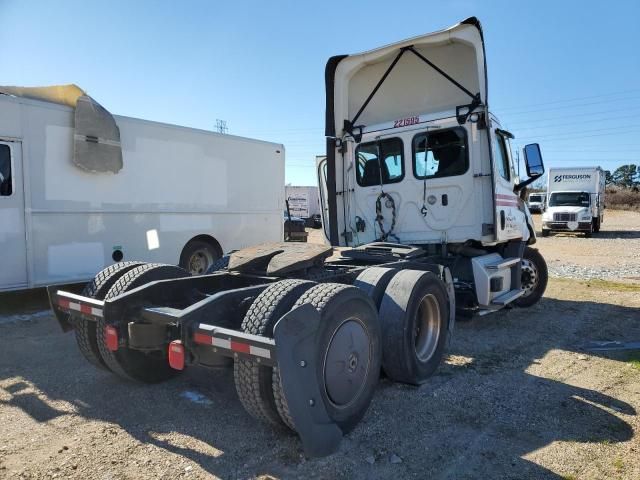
(427, 329)
(346, 363)
(529, 276)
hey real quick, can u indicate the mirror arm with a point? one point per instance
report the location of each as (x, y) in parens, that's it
(528, 181)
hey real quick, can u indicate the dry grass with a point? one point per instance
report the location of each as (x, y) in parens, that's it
(623, 199)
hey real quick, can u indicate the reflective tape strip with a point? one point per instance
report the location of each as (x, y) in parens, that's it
(79, 307)
(229, 344)
(260, 352)
(222, 343)
(203, 339)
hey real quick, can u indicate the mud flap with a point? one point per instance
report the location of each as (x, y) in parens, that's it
(296, 347)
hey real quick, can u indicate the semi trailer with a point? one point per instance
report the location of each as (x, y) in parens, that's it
(425, 221)
(82, 189)
(575, 202)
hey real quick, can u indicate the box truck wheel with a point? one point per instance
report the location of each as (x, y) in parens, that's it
(596, 225)
(254, 381)
(534, 277)
(373, 281)
(545, 232)
(85, 330)
(414, 315)
(151, 367)
(349, 354)
(198, 255)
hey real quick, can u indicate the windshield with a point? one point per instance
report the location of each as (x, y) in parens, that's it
(569, 199)
(535, 198)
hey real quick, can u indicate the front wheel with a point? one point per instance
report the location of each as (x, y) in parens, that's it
(534, 277)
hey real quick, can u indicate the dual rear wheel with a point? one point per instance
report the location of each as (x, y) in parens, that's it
(406, 338)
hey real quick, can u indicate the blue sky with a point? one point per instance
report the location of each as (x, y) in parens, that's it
(563, 73)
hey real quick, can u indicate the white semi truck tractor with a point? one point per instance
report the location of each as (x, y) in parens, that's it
(575, 202)
(419, 193)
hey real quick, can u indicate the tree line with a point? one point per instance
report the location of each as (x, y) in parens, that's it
(627, 176)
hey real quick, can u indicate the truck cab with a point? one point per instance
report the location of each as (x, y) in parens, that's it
(416, 157)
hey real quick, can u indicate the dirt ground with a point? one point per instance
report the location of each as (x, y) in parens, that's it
(518, 397)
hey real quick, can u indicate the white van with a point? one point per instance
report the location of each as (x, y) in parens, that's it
(81, 189)
(536, 202)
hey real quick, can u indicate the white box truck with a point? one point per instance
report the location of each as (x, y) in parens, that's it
(81, 189)
(575, 200)
(304, 202)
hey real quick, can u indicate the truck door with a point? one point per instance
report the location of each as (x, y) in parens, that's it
(510, 220)
(321, 167)
(13, 245)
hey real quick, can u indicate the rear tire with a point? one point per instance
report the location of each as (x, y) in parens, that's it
(534, 278)
(135, 365)
(254, 381)
(373, 281)
(545, 232)
(85, 331)
(415, 317)
(349, 352)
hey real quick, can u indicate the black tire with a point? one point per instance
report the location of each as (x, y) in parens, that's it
(219, 265)
(545, 232)
(198, 256)
(135, 365)
(414, 315)
(341, 307)
(373, 281)
(85, 331)
(587, 234)
(596, 225)
(254, 381)
(534, 278)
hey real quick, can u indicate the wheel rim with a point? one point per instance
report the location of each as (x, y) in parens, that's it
(529, 276)
(427, 329)
(199, 261)
(346, 363)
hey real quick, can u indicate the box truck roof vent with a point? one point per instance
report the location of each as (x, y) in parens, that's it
(96, 142)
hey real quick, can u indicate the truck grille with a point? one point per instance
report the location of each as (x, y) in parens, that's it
(564, 217)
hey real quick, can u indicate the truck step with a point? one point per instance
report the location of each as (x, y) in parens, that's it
(503, 263)
(507, 298)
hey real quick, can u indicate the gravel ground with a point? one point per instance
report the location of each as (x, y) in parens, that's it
(611, 254)
(517, 398)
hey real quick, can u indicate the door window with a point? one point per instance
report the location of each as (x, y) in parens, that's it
(441, 153)
(368, 169)
(6, 184)
(500, 156)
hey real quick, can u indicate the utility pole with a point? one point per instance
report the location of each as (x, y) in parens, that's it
(221, 126)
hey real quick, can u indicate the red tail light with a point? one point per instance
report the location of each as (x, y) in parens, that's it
(111, 337)
(176, 355)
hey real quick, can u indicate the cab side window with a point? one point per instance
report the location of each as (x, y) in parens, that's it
(6, 185)
(369, 168)
(501, 157)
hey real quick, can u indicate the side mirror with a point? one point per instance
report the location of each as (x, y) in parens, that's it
(533, 160)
